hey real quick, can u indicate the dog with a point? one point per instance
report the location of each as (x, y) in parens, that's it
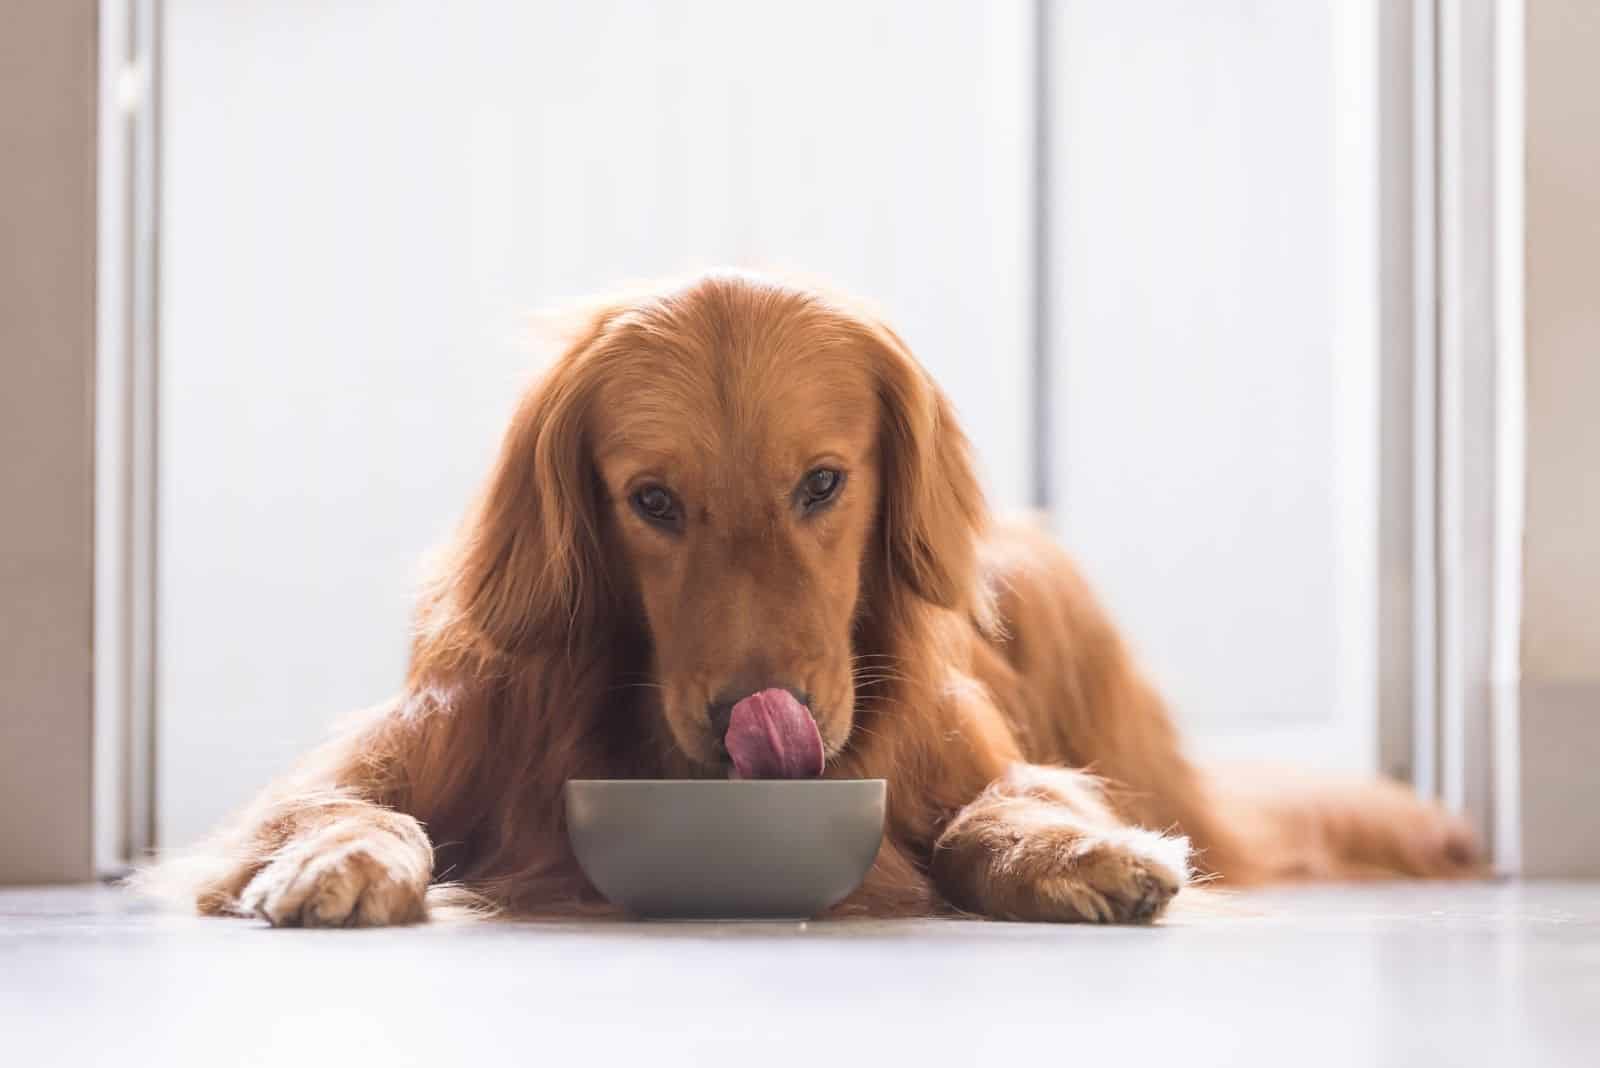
(735, 529)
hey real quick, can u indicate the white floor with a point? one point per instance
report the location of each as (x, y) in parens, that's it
(1405, 975)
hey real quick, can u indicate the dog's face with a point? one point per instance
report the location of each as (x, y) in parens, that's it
(739, 460)
(749, 468)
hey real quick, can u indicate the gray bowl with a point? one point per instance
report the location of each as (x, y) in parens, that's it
(704, 849)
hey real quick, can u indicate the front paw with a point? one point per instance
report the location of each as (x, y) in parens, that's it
(343, 876)
(1126, 875)
(1057, 857)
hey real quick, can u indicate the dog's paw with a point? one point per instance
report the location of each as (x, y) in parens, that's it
(1121, 876)
(1438, 843)
(339, 877)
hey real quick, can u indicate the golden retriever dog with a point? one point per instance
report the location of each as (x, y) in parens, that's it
(735, 530)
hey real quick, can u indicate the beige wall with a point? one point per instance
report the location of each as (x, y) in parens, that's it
(47, 219)
(1561, 599)
(1562, 608)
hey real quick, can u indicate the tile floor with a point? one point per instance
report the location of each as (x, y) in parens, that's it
(1504, 974)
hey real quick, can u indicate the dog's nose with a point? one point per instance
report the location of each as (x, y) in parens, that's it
(719, 710)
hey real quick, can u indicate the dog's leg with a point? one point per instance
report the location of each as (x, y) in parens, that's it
(1077, 695)
(1042, 844)
(1319, 826)
(318, 849)
(326, 863)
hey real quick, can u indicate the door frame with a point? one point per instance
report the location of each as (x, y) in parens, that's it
(1452, 386)
(126, 422)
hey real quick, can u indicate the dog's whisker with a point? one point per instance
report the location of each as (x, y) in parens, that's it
(876, 678)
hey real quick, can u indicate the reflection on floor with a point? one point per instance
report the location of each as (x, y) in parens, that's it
(1504, 974)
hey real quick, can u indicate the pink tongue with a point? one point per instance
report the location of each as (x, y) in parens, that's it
(772, 736)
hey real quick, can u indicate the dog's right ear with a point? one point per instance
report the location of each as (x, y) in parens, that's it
(526, 568)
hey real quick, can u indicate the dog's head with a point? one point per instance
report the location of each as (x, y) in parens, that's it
(749, 473)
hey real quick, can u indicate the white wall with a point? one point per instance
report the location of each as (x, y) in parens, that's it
(363, 202)
(1215, 355)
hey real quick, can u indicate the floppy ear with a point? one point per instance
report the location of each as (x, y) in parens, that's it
(526, 568)
(933, 509)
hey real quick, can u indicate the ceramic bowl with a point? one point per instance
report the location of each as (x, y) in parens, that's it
(717, 849)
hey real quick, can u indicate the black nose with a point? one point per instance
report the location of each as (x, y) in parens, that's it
(719, 710)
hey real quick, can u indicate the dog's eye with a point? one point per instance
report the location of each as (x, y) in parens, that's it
(819, 487)
(657, 504)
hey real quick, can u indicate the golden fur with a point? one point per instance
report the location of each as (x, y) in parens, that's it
(964, 660)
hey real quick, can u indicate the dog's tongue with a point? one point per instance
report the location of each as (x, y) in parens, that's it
(772, 736)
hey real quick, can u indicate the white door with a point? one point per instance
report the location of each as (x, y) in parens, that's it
(1214, 356)
(361, 204)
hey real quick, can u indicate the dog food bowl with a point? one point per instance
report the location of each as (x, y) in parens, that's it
(720, 849)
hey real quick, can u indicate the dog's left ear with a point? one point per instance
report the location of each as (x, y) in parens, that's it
(933, 509)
